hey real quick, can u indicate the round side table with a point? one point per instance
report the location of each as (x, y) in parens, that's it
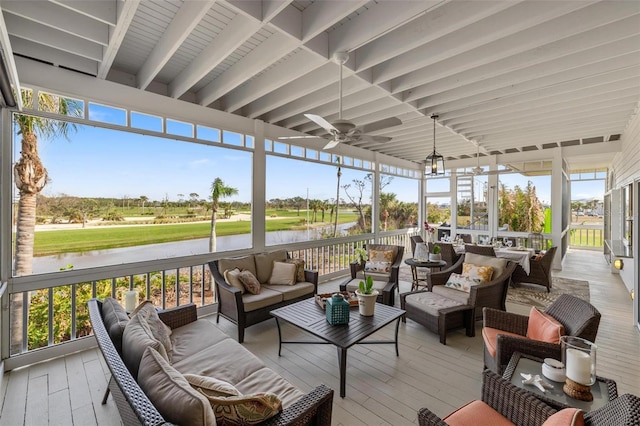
(422, 264)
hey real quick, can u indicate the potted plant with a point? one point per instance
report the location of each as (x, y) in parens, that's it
(367, 295)
(435, 255)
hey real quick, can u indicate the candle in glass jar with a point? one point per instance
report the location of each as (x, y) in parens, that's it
(130, 300)
(578, 366)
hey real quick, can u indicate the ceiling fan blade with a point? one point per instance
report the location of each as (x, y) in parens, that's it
(379, 125)
(332, 143)
(299, 137)
(322, 122)
(371, 138)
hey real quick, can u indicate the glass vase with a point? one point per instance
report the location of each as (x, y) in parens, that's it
(579, 358)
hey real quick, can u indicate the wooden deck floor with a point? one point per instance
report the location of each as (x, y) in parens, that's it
(382, 389)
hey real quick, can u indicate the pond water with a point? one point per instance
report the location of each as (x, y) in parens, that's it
(83, 260)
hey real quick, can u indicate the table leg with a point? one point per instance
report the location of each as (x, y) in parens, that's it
(414, 273)
(397, 327)
(342, 361)
(279, 337)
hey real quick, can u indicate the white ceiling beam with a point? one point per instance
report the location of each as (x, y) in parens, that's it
(586, 130)
(127, 11)
(239, 30)
(103, 11)
(7, 56)
(59, 18)
(448, 17)
(319, 15)
(270, 51)
(294, 67)
(54, 56)
(502, 25)
(460, 69)
(32, 31)
(186, 19)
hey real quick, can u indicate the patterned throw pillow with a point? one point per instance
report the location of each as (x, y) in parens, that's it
(381, 255)
(250, 282)
(232, 277)
(480, 273)
(461, 282)
(300, 268)
(210, 386)
(377, 266)
(244, 409)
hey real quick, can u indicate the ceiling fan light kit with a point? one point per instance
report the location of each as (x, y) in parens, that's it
(435, 161)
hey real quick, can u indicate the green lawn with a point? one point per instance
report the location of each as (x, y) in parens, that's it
(101, 238)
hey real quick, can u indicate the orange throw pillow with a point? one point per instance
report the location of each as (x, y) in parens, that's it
(544, 327)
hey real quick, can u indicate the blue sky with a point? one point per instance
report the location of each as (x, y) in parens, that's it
(98, 162)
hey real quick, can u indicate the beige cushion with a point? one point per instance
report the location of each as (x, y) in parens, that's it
(267, 297)
(299, 268)
(243, 263)
(210, 386)
(264, 264)
(497, 263)
(159, 329)
(115, 319)
(378, 285)
(232, 277)
(375, 275)
(171, 394)
(283, 273)
(460, 296)
(430, 303)
(292, 291)
(266, 379)
(193, 337)
(245, 409)
(136, 338)
(250, 282)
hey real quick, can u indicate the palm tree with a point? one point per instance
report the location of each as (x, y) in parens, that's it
(29, 173)
(143, 199)
(218, 190)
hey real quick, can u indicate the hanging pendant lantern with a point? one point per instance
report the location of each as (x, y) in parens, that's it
(435, 161)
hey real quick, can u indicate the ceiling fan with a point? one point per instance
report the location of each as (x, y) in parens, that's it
(341, 130)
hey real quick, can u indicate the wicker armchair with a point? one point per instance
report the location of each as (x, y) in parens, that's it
(540, 272)
(483, 250)
(517, 405)
(414, 241)
(521, 407)
(447, 252)
(578, 317)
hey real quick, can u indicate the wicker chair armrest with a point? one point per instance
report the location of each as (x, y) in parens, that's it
(354, 267)
(427, 418)
(518, 405)
(441, 277)
(311, 277)
(316, 404)
(623, 410)
(506, 345)
(179, 316)
(506, 321)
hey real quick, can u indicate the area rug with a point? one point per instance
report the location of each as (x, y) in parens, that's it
(531, 295)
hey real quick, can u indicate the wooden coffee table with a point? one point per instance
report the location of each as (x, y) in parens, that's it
(308, 316)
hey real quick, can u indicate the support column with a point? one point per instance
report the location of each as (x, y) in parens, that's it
(259, 189)
(375, 201)
(557, 172)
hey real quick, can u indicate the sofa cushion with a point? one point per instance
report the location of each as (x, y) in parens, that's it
(226, 360)
(267, 297)
(382, 277)
(292, 291)
(250, 282)
(490, 338)
(475, 411)
(566, 417)
(136, 338)
(430, 303)
(210, 386)
(544, 327)
(377, 284)
(266, 379)
(497, 263)
(299, 268)
(194, 337)
(450, 293)
(264, 264)
(244, 409)
(283, 274)
(232, 277)
(171, 394)
(245, 263)
(159, 329)
(115, 320)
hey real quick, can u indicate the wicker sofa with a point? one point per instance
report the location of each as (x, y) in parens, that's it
(247, 309)
(199, 347)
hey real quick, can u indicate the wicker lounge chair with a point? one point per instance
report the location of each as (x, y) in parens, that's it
(540, 272)
(447, 252)
(483, 250)
(578, 317)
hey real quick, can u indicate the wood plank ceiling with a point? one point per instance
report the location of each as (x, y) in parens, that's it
(510, 76)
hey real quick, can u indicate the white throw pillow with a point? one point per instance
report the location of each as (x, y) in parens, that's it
(377, 266)
(232, 277)
(283, 273)
(461, 282)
